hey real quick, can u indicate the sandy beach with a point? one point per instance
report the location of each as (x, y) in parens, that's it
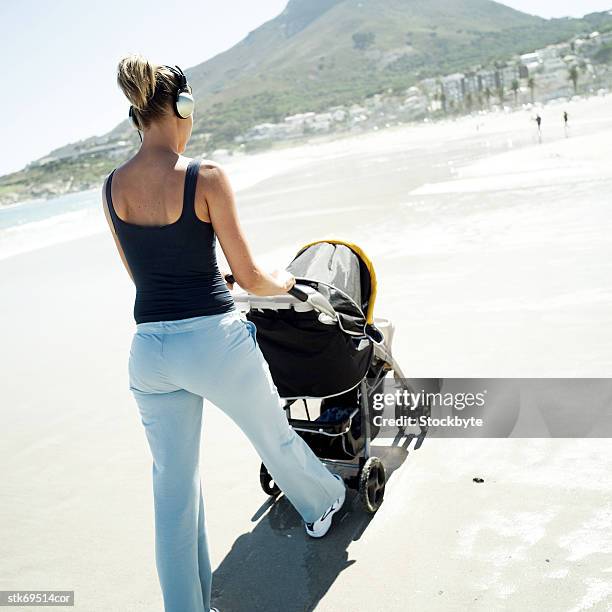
(494, 259)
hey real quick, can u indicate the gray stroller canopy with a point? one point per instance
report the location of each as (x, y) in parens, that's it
(342, 267)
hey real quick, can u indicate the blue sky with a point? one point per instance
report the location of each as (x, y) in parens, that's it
(59, 81)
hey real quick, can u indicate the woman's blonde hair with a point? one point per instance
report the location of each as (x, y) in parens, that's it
(150, 88)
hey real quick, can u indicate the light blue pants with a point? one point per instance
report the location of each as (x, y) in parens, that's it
(173, 366)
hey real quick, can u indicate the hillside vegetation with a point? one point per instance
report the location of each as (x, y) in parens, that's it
(316, 54)
(307, 58)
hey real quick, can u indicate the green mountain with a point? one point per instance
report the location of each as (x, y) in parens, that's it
(316, 54)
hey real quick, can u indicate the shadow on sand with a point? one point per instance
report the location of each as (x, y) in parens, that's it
(278, 567)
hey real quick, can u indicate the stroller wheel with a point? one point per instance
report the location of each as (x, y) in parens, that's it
(372, 484)
(267, 482)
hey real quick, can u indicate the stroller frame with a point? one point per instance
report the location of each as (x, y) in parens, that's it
(367, 472)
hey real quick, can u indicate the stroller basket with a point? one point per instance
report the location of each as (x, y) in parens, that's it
(341, 439)
(336, 433)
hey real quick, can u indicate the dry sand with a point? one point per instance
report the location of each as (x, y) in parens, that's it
(494, 259)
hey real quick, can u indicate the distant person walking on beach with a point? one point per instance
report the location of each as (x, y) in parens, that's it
(165, 212)
(538, 120)
(565, 122)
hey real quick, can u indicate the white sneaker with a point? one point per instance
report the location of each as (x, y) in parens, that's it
(321, 526)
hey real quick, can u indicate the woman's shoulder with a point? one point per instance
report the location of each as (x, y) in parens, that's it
(208, 165)
(116, 171)
(213, 173)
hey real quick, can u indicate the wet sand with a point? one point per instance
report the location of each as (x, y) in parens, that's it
(494, 259)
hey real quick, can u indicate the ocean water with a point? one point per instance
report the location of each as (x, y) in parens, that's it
(40, 223)
(37, 224)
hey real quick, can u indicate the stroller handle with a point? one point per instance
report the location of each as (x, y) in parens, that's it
(314, 298)
(294, 291)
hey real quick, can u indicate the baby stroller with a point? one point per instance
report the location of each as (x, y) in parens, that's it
(322, 342)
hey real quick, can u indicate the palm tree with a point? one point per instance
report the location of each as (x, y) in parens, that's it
(574, 75)
(515, 89)
(488, 96)
(532, 84)
(469, 102)
(443, 98)
(501, 93)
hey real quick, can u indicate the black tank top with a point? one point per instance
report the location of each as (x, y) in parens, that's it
(174, 266)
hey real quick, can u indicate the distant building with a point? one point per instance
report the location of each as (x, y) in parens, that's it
(508, 74)
(486, 80)
(338, 113)
(271, 131)
(471, 84)
(357, 113)
(430, 87)
(453, 87)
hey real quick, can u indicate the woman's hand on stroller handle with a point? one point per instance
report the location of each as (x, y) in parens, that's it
(293, 290)
(283, 280)
(229, 280)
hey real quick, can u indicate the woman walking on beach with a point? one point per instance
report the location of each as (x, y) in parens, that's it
(165, 212)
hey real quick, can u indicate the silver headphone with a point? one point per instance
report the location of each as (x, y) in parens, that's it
(182, 103)
(183, 100)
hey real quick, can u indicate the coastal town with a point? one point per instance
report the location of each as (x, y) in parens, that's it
(579, 66)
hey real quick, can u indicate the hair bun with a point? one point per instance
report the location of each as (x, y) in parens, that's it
(136, 77)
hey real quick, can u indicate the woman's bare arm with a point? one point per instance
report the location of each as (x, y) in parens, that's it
(112, 229)
(224, 217)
